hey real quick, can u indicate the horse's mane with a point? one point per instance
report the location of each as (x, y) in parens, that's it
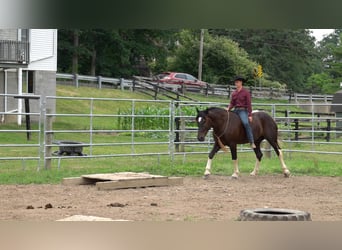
(214, 108)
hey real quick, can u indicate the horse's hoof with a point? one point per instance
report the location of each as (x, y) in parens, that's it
(287, 174)
(252, 174)
(235, 176)
(206, 176)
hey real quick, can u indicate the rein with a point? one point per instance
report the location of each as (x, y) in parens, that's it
(224, 131)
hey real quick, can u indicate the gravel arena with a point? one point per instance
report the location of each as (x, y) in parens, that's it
(218, 199)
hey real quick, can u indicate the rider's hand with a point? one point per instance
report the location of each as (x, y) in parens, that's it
(250, 118)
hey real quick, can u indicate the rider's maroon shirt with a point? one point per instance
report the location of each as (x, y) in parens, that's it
(241, 99)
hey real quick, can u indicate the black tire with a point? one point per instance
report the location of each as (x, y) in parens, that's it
(273, 214)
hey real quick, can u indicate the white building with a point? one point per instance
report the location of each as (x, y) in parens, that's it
(28, 65)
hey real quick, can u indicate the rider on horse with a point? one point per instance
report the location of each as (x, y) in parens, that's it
(241, 102)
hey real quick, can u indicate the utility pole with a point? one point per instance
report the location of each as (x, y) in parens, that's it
(200, 56)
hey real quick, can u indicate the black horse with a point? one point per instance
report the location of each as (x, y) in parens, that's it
(229, 131)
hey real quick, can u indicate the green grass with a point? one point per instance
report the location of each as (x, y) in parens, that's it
(25, 172)
(298, 164)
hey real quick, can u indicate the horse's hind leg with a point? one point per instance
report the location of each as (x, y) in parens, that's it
(258, 155)
(278, 151)
(210, 158)
(286, 172)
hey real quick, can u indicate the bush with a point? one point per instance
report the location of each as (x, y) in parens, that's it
(156, 121)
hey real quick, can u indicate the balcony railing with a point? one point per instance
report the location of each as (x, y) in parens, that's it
(14, 52)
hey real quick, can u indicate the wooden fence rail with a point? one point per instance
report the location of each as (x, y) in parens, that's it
(210, 90)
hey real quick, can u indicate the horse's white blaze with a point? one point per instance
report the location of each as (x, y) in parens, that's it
(199, 119)
(208, 167)
(256, 168)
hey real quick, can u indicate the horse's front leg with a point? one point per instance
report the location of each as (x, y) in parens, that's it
(233, 151)
(210, 158)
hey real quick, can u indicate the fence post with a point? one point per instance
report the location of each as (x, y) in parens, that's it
(76, 80)
(133, 88)
(182, 135)
(48, 139)
(318, 120)
(122, 84)
(328, 130)
(155, 88)
(183, 88)
(177, 121)
(290, 95)
(229, 90)
(286, 116)
(296, 128)
(99, 81)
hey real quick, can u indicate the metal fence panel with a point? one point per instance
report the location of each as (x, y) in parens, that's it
(13, 145)
(110, 127)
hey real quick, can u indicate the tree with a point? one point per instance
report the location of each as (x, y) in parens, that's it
(66, 50)
(288, 56)
(114, 52)
(330, 49)
(326, 45)
(317, 83)
(76, 34)
(222, 58)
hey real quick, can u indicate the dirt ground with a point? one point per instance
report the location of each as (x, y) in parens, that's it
(218, 199)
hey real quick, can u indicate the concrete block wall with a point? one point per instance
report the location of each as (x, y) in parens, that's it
(12, 88)
(45, 85)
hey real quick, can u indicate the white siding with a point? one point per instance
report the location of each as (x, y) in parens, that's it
(43, 49)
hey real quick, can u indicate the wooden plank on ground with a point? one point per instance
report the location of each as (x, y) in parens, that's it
(134, 183)
(123, 180)
(72, 181)
(121, 176)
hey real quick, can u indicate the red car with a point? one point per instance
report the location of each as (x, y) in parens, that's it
(180, 78)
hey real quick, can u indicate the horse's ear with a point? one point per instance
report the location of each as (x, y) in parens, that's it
(197, 110)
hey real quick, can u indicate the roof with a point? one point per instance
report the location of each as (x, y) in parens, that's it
(337, 99)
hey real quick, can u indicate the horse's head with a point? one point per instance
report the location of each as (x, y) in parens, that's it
(204, 123)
